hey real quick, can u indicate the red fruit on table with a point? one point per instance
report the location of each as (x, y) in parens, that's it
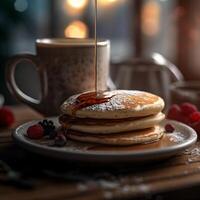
(6, 117)
(183, 118)
(194, 117)
(188, 108)
(174, 112)
(35, 132)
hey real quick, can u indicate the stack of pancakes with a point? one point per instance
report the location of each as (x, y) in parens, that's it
(127, 118)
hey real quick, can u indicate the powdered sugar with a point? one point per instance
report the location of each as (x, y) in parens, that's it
(194, 155)
(121, 99)
(177, 137)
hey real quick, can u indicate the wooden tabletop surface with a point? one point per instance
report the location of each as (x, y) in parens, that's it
(178, 177)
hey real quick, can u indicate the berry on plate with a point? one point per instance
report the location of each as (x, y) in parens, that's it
(6, 117)
(48, 126)
(169, 128)
(60, 140)
(35, 132)
(52, 134)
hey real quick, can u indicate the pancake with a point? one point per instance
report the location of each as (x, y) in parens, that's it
(129, 138)
(122, 104)
(116, 127)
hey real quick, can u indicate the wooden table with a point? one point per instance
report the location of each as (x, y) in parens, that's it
(178, 177)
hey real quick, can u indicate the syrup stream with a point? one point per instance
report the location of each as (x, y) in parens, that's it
(96, 97)
(96, 49)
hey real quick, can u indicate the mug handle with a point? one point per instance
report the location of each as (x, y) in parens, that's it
(12, 85)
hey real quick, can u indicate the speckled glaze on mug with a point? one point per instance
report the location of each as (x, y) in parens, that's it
(65, 67)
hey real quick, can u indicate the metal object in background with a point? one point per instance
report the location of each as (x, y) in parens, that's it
(154, 74)
(185, 91)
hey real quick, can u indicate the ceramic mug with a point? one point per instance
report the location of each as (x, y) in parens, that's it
(65, 67)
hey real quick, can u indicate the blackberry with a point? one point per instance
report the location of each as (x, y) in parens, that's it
(52, 134)
(48, 126)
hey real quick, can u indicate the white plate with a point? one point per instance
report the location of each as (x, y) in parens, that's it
(169, 145)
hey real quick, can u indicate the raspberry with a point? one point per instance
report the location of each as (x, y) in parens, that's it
(184, 119)
(6, 117)
(60, 140)
(194, 117)
(174, 112)
(35, 132)
(188, 108)
(169, 128)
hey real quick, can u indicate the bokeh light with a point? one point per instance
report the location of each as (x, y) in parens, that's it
(75, 6)
(106, 3)
(21, 5)
(151, 18)
(76, 29)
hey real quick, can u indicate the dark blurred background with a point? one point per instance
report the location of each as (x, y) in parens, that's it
(136, 28)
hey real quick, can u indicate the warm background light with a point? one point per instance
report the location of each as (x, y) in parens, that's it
(75, 6)
(151, 18)
(76, 29)
(107, 2)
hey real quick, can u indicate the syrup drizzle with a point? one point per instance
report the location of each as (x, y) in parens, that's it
(83, 101)
(97, 97)
(96, 49)
(92, 98)
(89, 99)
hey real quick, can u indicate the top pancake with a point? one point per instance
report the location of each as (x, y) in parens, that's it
(122, 104)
